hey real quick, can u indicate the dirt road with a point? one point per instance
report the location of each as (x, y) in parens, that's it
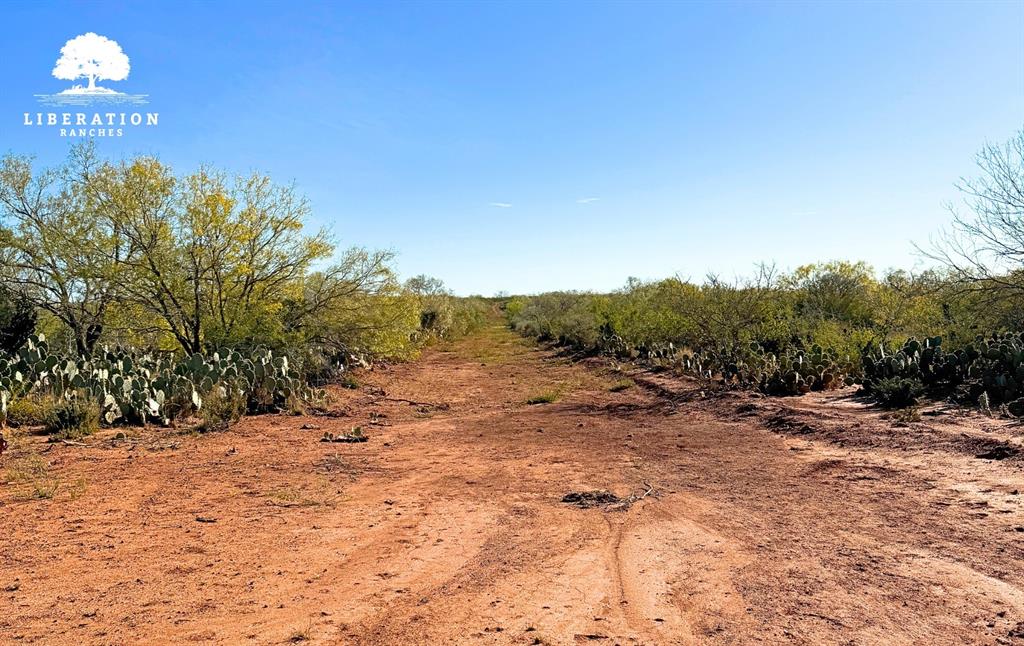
(804, 521)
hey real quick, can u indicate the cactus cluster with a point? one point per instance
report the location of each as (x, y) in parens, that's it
(791, 372)
(137, 388)
(795, 372)
(990, 367)
(922, 360)
(655, 353)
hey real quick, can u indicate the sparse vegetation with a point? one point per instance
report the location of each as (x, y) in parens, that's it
(621, 384)
(32, 476)
(301, 635)
(222, 407)
(314, 494)
(906, 416)
(547, 397)
(73, 418)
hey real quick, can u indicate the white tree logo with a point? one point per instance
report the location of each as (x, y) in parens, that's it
(93, 57)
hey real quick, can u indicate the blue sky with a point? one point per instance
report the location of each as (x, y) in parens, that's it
(535, 146)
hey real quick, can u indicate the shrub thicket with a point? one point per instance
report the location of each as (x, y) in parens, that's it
(824, 326)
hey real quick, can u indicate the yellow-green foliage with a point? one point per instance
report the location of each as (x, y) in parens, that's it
(443, 315)
(130, 325)
(364, 329)
(469, 314)
(647, 313)
(621, 384)
(574, 319)
(514, 306)
(32, 410)
(192, 262)
(383, 327)
(547, 397)
(355, 308)
(842, 307)
(73, 418)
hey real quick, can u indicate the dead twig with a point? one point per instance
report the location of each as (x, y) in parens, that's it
(412, 402)
(606, 499)
(633, 498)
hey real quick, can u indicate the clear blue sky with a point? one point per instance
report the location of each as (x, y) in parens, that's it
(712, 135)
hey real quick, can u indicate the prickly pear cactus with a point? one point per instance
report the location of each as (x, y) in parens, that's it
(990, 369)
(136, 388)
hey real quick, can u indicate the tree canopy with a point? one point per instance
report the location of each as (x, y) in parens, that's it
(131, 252)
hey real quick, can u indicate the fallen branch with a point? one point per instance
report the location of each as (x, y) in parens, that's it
(628, 502)
(412, 402)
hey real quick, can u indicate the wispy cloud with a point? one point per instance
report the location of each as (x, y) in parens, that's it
(501, 205)
(587, 200)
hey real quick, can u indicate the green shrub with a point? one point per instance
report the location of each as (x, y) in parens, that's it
(443, 315)
(31, 410)
(73, 419)
(221, 408)
(898, 392)
(824, 326)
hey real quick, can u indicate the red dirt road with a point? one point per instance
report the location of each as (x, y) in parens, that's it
(801, 521)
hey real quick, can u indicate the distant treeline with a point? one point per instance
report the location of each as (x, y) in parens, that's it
(834, 323)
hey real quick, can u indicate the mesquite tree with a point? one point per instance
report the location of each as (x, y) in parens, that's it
(53, 248)
(985, 249)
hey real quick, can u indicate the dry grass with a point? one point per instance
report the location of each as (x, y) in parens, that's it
(492, 345)
(32, 478)
(905, 416)
(621, 384)
(319, 492)
(548, 397)
(301, 634)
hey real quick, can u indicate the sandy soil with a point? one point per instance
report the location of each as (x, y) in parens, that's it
(801, 521)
